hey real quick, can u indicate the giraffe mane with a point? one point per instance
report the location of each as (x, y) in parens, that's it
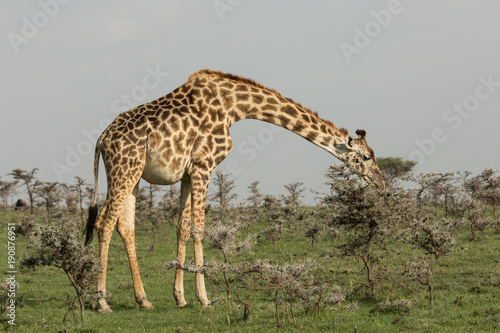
(253, 83)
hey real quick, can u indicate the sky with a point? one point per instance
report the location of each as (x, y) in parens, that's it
(422, 77)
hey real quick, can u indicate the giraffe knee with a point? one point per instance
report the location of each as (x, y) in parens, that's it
(104, 231)
(198, 234)
(183, 232)
(126, 233)
(125, 226)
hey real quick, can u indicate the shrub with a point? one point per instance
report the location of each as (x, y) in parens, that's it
(273, 233)
(435, 238)
(371, 217)
(285, 278)
(398, 306)
(24, 224)
(60, 245)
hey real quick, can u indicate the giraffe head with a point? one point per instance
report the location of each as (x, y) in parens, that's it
(361, 160)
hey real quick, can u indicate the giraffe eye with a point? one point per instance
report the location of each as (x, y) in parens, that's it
(365, 158)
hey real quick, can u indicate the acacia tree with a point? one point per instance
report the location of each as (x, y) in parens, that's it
(492, 188)
(77, 193)
(485, 187)
(427, 184)
(152, 189)
(314, 225)
(7, 189)
(256, 196)
(49, 194)
(70, 198)
(224, 192)
(449, 191)
(394, 168)
(479, 192)
(170, 202)
(142, 196)
(370, 216)
(89, 194)
(271, 207)
(294, 194)
(475, 219)
(29, 180)
(149, 218)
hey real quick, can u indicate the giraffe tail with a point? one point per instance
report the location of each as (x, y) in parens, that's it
(93, 209)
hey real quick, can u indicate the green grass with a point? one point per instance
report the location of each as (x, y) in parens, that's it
(467, 291)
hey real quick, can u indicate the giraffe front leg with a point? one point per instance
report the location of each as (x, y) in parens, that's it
(199, 196)
(183, 233)
(201, 292)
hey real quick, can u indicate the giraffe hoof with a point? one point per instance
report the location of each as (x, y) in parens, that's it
(146, 305)
(105, 310)
(104, 307)
(181, 304)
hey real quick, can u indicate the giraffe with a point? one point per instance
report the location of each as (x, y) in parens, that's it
(182, 137)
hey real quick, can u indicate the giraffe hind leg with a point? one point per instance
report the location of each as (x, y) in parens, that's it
(105, 224)
(126, 230)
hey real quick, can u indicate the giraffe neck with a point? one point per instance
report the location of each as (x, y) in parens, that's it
(246, 99)
(293, 117)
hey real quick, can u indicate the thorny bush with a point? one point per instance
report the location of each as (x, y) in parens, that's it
(60, 245)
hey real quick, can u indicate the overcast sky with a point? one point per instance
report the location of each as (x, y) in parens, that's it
(422, 77)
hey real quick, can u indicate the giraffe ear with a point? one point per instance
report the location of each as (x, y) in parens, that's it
(361, 134)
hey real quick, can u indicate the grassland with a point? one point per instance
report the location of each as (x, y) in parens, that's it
(467, 287)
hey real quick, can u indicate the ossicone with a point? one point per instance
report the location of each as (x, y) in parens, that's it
(361, 133)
